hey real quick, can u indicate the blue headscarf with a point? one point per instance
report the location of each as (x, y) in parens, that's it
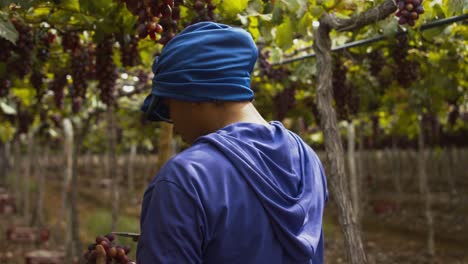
(207, 61)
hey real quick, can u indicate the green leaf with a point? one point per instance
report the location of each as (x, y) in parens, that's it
(305, 23)
(7, 132)
(8, 31)
(9, 110)
(453, 6)
(284, 34)
(72, 5)
(232, 8)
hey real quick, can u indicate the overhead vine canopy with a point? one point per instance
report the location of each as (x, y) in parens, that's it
(70, 57)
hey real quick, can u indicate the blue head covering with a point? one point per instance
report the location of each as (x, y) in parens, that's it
(207, 61)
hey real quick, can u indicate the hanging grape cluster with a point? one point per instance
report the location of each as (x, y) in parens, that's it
(344, 93)
(129, 51)
(57, 86)
(156, 18)
(267, 70)
(284, 101)
(5, 85)
(106, 70)
(409, 11)
(105, 246)
(37, 81)
(44, 39)
(406, 71)
(205, 11)
(21, 58)
(376, 62)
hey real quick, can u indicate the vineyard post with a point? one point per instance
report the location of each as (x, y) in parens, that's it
(425, 191)
(328, 122)
(112, 165)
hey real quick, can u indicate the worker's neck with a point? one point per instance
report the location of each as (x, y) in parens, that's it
(231, 113)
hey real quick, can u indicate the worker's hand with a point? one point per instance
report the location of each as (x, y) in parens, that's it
(106, 251)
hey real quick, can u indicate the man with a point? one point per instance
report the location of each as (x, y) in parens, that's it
(246, 191)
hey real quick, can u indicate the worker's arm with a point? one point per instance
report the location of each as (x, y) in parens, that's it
(171, 227)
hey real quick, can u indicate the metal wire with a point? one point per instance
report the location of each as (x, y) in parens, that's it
(433, 24)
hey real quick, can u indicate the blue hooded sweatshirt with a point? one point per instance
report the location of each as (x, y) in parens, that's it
(247, 193)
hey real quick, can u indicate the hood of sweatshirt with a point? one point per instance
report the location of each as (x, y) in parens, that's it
(286, 176)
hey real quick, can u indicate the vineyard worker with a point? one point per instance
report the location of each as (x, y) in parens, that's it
(246, 191)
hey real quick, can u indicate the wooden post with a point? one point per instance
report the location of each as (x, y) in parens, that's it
(112, 172)
(425, 192)
(353, 176)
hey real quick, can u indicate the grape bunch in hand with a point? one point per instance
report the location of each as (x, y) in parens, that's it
(106, 251)
(409, 11)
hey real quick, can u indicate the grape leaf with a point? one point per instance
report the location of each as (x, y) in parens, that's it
(8, 31)
(232, 8)
(9, 110)
(284, 34)
(73, 5)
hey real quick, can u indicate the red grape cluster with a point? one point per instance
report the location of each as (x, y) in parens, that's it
(45, 38)
(406, 71)
(129, 51)
(267, 70)
(346, 98)
(376, 62)
(105, 248)
(205, 10)
(5, 85)
(106, 70)
(5, 47)
(22, 63)
(57, 86)
(284, 101)
(156, 18)
(37, 81)
(409, 11)
(70, 41)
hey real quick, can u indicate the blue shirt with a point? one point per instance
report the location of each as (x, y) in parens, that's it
(247, 193)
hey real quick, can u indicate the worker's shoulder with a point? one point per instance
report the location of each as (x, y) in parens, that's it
(195, 163)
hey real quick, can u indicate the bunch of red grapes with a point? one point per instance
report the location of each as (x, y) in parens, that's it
(284, 101)
(105, 247)
(106, 70)
(22, 65)
(129, 50)
(57, 86)
(409, 11)
(205, 10)
(156, 18)
(409, 73)
(346, 98)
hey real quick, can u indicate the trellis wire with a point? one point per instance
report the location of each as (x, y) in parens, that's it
(427, 26)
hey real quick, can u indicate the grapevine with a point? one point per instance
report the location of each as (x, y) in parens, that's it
(409, 11)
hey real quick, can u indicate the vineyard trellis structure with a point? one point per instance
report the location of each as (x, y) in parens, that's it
(430, 25)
